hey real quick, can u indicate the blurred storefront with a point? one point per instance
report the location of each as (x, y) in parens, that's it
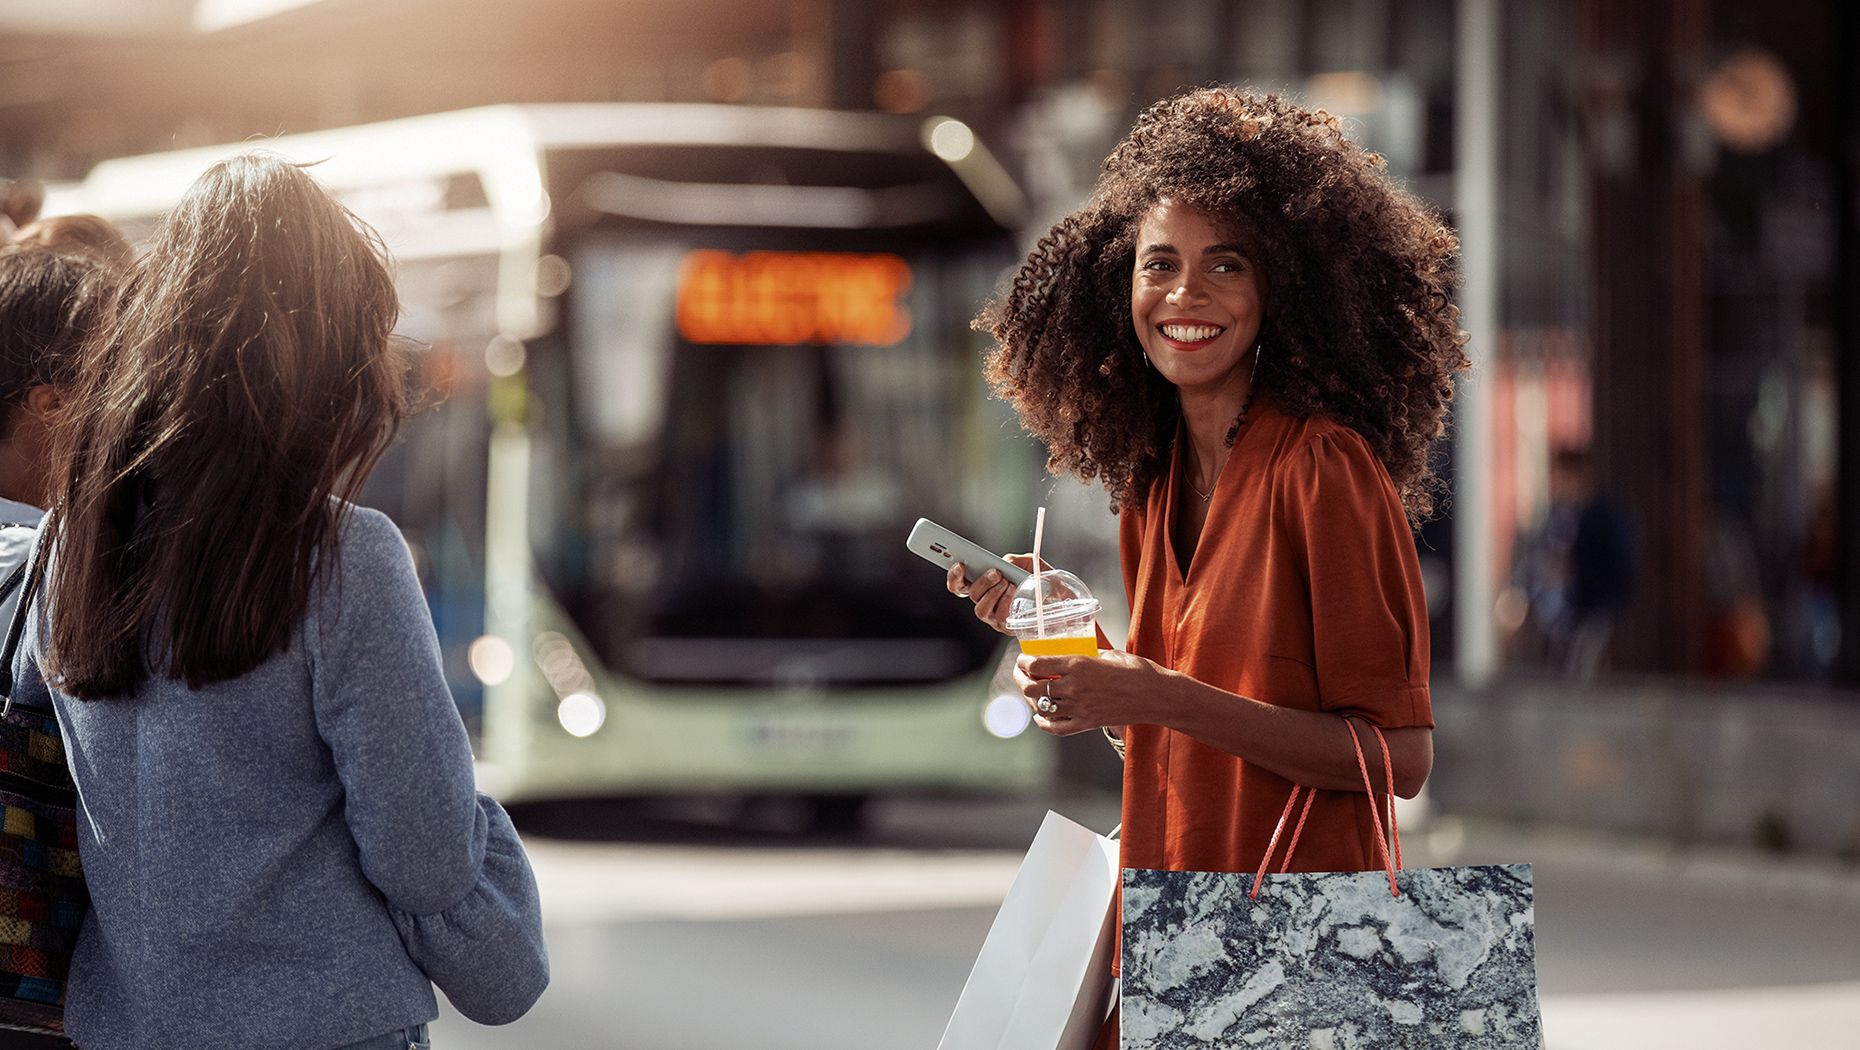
(1678, 273)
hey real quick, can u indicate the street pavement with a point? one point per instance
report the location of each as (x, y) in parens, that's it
(691, 927)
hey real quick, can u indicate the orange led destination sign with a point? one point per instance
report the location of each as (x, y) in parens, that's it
(781, 298)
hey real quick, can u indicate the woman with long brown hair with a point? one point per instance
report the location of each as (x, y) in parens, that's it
(278, 823)
(1246, 335)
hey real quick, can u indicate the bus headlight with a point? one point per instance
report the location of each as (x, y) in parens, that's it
(1006, 717)
(582, 714)
(491, 659)
(949, 139)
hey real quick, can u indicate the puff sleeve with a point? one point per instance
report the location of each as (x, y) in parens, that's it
(1340, 514)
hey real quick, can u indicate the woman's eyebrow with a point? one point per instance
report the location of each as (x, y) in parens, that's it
(1217, 249)
(1170, 248)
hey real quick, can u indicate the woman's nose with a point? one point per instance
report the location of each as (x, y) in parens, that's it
(1184, 292)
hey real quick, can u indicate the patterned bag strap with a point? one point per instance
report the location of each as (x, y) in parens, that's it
(1390, 865)
(21, 574)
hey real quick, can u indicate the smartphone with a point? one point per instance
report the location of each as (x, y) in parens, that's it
(939, 546)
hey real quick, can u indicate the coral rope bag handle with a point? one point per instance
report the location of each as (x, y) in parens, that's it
(1389, 864)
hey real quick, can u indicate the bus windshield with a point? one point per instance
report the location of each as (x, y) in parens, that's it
(749, 434)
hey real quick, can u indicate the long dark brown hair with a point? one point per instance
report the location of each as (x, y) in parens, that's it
(1360, 324)
(247, 377)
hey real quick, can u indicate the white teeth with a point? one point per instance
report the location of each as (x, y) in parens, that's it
(1190, 333)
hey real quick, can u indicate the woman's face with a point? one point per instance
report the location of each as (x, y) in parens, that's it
(1195, 298)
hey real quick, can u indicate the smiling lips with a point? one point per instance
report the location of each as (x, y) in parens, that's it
(1189, 335)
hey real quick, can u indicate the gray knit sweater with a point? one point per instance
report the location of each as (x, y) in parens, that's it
(290, 858)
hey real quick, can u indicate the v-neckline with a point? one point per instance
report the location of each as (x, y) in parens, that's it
(1172, 504)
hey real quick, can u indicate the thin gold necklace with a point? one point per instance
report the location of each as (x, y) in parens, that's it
(1208, 495)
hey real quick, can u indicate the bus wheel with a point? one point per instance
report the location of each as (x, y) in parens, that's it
(836, 814)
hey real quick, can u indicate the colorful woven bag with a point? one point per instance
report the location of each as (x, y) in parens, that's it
(42, 894)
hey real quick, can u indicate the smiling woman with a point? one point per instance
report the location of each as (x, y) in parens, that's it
(1357, 275)
(1195, 304)
(1246, 335)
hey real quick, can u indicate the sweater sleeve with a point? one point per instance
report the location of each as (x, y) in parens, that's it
(443, 857)
(486, 952)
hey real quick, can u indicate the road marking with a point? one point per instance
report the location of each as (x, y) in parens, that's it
(584, 883)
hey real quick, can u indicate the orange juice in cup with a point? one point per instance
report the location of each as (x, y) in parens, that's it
(1079, 645)
(1054, 614)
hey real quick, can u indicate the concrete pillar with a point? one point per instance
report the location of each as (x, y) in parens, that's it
(1476, 151)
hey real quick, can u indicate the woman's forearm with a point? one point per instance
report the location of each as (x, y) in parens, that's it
(1306, 747)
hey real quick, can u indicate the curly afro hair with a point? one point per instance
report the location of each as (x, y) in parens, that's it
(1359, 323)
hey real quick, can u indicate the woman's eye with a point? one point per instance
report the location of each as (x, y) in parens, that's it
(1159, 265)
(1228, 267)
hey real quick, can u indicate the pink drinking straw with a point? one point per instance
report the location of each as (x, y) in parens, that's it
(1039, 603)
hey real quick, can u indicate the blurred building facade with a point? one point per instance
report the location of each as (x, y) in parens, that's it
(1679, 274)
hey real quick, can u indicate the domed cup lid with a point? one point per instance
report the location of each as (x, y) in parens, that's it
(1066, 605)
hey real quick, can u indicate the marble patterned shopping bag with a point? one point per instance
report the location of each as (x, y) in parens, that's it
(1399, 959)
(1329, 960)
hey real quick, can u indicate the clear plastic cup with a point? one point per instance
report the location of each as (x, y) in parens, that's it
(1064, 624)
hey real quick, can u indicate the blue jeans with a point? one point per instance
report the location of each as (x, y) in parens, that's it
(414, 1038)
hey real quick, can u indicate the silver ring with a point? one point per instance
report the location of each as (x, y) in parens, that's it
(1049, 690)
(1043, 705)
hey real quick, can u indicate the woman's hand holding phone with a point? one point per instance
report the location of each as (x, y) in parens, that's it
(991, 594)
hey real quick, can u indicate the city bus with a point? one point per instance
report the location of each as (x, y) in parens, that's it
(693, 372)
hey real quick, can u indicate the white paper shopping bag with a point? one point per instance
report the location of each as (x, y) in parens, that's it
(1043, 978)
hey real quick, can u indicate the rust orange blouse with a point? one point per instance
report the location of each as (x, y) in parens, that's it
(1305, 592)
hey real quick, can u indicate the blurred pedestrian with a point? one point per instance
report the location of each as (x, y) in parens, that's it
(91, 236)
(278, 822)
(1246, 334)
(1576, 570)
